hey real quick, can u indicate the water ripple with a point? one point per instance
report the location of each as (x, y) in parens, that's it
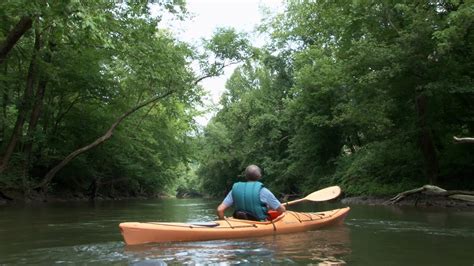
(409, 226)
(309, 247)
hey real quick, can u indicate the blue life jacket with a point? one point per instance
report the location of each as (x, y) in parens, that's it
(246, 196)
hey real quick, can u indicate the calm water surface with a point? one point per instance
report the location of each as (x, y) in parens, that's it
(87, 233)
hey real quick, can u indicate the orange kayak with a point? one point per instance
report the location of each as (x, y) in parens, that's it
(139, 233)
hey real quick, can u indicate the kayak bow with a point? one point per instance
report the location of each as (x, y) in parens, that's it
(289, 222)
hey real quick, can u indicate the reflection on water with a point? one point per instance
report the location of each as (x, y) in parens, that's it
(410, 227)
(326, 246)
(88, 234)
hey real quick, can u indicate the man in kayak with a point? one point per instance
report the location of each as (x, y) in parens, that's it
(250, 199)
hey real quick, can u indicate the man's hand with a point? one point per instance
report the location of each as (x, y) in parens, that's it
(281, 209)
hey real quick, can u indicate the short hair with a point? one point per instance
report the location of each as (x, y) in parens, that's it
(253, 172)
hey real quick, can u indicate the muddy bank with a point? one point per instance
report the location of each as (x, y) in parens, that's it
(13, 197)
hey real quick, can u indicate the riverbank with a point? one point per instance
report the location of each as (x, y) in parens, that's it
(15, 197)
(416, 200)
(422, 201)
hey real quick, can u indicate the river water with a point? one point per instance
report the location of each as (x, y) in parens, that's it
(87, 233)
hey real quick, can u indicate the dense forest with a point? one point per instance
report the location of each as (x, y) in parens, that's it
(364, 94)
(98, 99)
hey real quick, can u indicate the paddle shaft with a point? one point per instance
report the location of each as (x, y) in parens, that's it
(328, 193)
(294, 201)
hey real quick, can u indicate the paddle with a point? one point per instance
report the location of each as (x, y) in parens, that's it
(324, 194)
(205, 224)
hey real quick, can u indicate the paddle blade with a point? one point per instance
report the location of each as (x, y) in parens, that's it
(328, 193)
(205, 224)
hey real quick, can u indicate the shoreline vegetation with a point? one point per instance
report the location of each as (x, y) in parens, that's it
(416, 200)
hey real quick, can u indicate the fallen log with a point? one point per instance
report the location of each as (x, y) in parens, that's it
(463, 140)
(434, 191)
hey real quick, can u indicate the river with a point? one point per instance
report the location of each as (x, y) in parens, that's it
(87, 233)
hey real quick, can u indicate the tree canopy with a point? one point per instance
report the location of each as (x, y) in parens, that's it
(76, 73)
(364, 94)
(98, 99)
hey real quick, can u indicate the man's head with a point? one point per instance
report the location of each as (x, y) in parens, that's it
(253, 172)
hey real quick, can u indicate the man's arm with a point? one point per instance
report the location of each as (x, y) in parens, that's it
(267, 197)
(226, 203)
(220, 210)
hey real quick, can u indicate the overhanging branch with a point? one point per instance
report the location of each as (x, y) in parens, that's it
(108, 134)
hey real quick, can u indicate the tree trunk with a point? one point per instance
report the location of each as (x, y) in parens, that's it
(94, 188)
(50, 127)
(108, 134)
(24, 106)
(14, 35)
(426, 140)
(35, 115)
(3, 115)
(60, 116)
(97, 184)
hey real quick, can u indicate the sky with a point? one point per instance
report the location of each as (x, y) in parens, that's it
(206, 17)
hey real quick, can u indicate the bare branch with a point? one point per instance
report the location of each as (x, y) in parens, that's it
(213, 74)
(463, 140)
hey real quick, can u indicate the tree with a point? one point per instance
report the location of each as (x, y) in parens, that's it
(248, 129)
(376, 92)
(90, 61)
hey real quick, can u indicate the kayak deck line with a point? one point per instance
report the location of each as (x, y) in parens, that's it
(249, 222)
(238, 226)
(229, 228)
(186, 225)
(308, 215)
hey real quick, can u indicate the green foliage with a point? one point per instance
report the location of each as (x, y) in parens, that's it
(228, 44)
(364, 94)
(99, 60)
(248, 129)
(380, 168)
(226, 47)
